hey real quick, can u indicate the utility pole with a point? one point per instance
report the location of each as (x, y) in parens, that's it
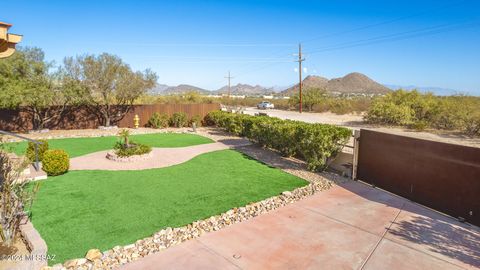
(229, 78)
(300, 60)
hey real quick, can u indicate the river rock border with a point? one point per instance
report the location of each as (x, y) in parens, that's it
(120, 255)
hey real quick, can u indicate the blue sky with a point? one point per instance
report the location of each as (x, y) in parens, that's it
(197, 42)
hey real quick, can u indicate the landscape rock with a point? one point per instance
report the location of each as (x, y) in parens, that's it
(93, 254)
(70, 264)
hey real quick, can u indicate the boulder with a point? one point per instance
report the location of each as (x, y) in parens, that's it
(93, 254)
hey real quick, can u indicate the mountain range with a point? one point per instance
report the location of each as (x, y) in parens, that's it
(238, 89)
(353, 83)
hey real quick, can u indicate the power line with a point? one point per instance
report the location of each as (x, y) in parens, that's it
(457, 3)
(200, 44)
(395, 37)
(216, 62)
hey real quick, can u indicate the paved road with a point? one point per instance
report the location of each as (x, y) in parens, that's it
(352, 226)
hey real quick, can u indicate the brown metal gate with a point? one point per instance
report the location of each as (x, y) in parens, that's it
(442, 176)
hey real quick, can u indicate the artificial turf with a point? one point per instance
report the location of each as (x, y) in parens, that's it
(81, 146)
(82, 210)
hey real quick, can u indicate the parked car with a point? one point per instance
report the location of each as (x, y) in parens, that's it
(265, 105)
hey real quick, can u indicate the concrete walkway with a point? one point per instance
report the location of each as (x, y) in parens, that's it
(161, 157)
(351, 226)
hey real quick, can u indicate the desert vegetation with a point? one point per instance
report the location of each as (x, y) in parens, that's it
(103, 83)
(420, 111)
(314, 100)
(16, 196)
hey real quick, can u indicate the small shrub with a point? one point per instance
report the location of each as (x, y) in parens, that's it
(158, 120)
(419, 125)
(195, 119)
(179, 119)
(132, 149)
(55, 162)
(42, 148)
(126, 148)
(16, 197)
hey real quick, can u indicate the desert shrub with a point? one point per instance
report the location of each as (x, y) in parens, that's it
(419, 125)
(390, 114)
(315, 143)
(340, 106)
(195, 119)
(42, 148)
(16, 197)
(123, 150)
(55, 162)
(421, 111)
(179, 119)
(158, 120)
(472, 124)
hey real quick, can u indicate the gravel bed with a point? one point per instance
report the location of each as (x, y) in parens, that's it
(81, 133)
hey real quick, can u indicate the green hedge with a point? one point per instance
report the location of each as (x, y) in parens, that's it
(315, 143)
(55, 162)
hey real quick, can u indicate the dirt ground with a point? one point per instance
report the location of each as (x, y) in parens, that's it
(355, 121)
(9, 256)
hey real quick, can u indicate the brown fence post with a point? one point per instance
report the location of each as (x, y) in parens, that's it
(356, 144)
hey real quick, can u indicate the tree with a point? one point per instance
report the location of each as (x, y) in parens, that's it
(310, 98)
(111, 85)
(26, 82)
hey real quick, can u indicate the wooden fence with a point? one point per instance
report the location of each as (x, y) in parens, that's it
(146, 111)
(82, 117)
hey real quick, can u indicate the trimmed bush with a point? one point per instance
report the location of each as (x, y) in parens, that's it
(55, 162)
(42, 148)
(158, 120)
(179, 119)
(315, 143)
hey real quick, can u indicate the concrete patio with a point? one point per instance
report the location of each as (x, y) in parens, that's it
(352, 226)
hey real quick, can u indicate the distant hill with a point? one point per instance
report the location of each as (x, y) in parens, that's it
(158, 89)
(245, 89)
(162, 89)
(239, 89)
(353, 83)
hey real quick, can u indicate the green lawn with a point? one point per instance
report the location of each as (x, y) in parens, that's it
(80, 146)
(101, 209)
